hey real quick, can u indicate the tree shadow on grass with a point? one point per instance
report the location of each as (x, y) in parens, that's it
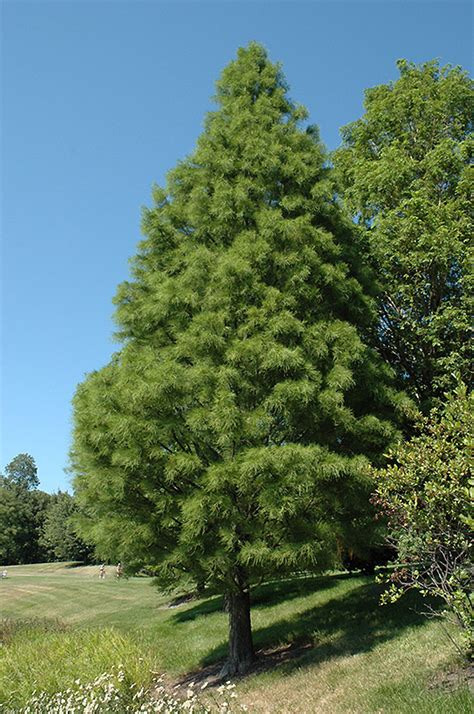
(266, 595)
(345, 625)
(272, 593)
(75, 564)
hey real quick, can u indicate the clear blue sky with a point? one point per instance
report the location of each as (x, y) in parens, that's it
(100, 99)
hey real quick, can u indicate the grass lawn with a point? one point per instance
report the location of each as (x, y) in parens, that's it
(325, 643)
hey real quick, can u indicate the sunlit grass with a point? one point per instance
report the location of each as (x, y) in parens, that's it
(325, 644)
(42, 656)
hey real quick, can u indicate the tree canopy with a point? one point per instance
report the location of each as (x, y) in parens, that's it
(22, 471)
(22, 508)
(58, 536)
(228, 438)
(404, 171)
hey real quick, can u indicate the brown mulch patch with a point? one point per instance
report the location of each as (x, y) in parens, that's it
(265, 660)
(453, 678)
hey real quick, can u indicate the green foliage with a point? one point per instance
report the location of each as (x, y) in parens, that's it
(229, 437)
(58, 536)
(16, 524)
(404, 170)
(22, 471)
(22, 509)
(426, 493)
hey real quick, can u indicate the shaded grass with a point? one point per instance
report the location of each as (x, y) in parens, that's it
(325, 643)
(394, 677)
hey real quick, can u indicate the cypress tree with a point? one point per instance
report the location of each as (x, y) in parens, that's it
(228, 438)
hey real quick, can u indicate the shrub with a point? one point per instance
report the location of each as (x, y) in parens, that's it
(426, 495)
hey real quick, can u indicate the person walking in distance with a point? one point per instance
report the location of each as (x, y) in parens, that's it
(102, 571)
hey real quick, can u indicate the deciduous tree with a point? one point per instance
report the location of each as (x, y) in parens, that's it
(58, 534)
(22, 508)
(22, 471)
(405, 173)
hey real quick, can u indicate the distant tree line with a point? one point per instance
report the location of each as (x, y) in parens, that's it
(35, 526)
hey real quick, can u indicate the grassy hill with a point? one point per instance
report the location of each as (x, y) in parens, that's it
(325, 644)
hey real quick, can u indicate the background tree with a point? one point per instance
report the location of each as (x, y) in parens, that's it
(58, 534)
(427, 496)
(22, 471)
(404, 172)
(22, 508)
(228, 439)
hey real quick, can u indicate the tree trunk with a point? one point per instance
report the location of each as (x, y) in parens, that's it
(241, 652)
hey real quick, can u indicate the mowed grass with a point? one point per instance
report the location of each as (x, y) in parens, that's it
(325, 643)
(77, 596)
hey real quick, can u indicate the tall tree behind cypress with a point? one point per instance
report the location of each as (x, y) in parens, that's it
(227, 440)
(405, 170)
